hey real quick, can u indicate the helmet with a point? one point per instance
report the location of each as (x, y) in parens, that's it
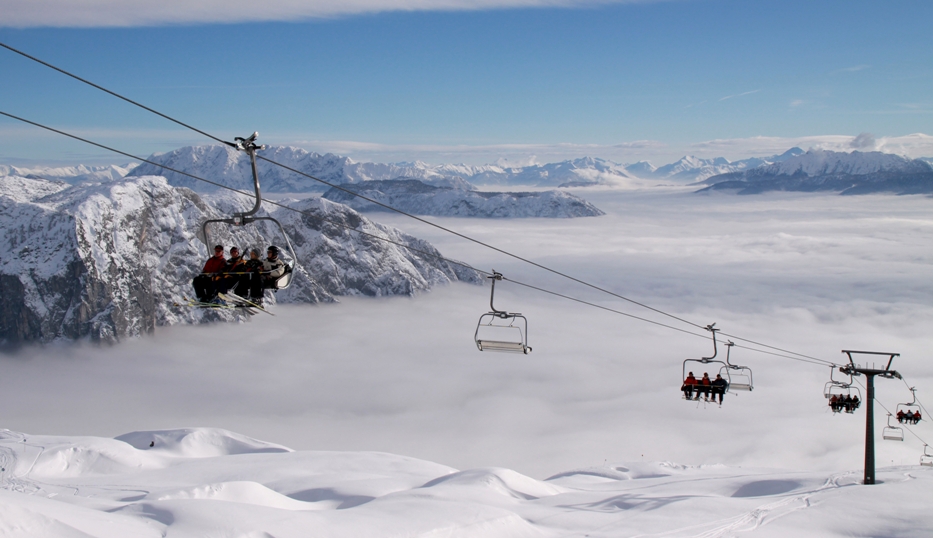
(273, 249)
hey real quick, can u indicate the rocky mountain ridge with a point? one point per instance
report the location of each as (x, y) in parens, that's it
(105, 261)
(416, 197)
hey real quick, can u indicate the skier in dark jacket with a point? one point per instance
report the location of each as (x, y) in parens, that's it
(252, 279)
(719, 387)
(233, 273)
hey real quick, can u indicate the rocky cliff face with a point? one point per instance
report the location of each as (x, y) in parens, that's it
(107, 261)
(413, 196)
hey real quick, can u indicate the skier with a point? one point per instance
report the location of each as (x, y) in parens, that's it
(204, 282)
(252, 280)
(688, 385)
(719, 386)
(703, 388)
(272, 268)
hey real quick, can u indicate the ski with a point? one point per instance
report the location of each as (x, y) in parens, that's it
(193, 303)
(240, 301)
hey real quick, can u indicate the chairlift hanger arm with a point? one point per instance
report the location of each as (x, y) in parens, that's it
(711, 328)
(250, 147)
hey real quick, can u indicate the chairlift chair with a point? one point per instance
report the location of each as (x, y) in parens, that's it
(841, 389)
(241, 219)
(913, 406)
(739, 377)
(926, 459)
(498, 330)
(892, 432)
(723, 369)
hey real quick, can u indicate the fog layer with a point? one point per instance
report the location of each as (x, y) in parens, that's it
(810, 273)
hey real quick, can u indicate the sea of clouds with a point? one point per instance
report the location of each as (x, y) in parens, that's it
(810, 273)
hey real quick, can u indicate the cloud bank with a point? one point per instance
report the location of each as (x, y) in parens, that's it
(810, 273)
(126, 13)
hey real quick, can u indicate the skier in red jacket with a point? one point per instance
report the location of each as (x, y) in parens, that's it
(204, 282)
(688, 385)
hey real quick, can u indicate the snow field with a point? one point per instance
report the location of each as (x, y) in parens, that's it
(188, 484)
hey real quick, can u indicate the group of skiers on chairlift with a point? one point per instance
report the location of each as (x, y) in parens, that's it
(246, 277)
(704, 387)
(847, 403)
(909, 417)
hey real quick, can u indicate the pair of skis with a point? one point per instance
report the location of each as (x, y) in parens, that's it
(231, 301)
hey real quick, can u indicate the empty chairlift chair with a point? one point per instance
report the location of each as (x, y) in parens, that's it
(739, 377)
(892, 432)
(927, 458)
(498, 330)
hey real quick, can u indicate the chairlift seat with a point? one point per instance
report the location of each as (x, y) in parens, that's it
(740, 386)
(892, 434)
(926, 461)
(498, 345)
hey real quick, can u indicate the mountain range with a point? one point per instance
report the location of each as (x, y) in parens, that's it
(413, 196)
(226, 165)
(819, 170)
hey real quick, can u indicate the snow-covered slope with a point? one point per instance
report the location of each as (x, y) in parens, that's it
(819, 170)
(413, 196)
(104, 261)
(210, 482)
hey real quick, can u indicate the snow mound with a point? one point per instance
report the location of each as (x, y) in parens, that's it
(244, 492)
(74, 457)
(633, 471)
(502, 481)
(198, 443)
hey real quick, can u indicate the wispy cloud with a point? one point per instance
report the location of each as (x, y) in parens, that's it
(739, 95)
(125, 13)
(852, 69)
(912, 145)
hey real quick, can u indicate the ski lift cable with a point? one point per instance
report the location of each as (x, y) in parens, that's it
(348, 191)
(115, 94)
(823, 361)
(388, 207)
(801, 358)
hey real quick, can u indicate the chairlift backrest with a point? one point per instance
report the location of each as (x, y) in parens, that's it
(892, 432)
(740, 377)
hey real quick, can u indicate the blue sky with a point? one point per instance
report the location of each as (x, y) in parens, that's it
(394, 81)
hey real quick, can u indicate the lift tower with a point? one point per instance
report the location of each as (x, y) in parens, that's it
(870, 373)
